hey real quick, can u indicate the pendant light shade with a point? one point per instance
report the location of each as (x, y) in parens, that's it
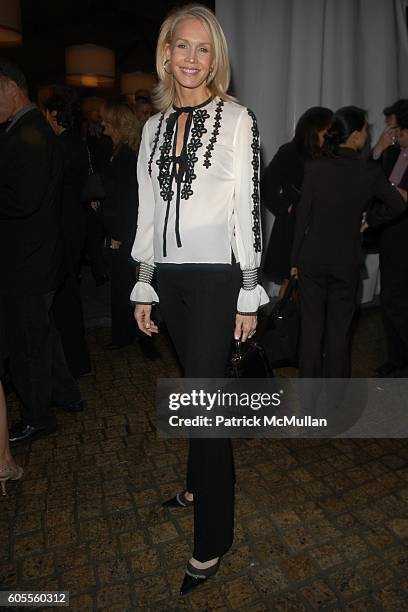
(90, 66)
(91, 107)
(10, 23)
(132, 82)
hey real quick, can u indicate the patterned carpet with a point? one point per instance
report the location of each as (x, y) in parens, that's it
(320, 525)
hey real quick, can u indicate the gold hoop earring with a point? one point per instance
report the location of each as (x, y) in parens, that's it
(209, 75)
(164, 67)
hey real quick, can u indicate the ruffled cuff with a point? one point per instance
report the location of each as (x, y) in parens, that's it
(143, 293)
(250, 300)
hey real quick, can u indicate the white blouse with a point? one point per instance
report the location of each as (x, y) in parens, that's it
(203, 205)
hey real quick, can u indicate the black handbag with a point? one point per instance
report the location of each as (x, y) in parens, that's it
(279, 331)
(93, 190)
(248, 360)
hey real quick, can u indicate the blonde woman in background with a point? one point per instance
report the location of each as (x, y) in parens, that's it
(199, 229)
(120, 214)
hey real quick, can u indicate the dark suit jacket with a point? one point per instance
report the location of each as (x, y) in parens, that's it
(335, 193)
(397, 230)
(280, 188)
(30, 184)
(122, 202)
(282, 179)
(75, 174)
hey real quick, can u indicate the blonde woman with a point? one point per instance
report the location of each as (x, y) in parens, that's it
(199, 229)
(120, 214)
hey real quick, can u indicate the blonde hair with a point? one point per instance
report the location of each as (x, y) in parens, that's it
(219, 80)
(124, 121)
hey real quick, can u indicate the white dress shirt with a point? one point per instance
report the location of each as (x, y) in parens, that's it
(203, 205)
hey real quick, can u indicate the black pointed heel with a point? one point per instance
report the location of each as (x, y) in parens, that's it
(194, 577)
(178, 501)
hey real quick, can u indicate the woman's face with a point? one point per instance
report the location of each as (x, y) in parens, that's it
(190, 54)
(107, 129)
(52, 120)
(402, 137)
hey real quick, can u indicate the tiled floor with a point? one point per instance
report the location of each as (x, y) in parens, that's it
(320, 525)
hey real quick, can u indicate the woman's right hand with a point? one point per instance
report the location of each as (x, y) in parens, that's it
(144, 323)
(387, 138)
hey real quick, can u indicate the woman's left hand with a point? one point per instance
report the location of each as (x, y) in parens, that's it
(245, 326)
(115, 244)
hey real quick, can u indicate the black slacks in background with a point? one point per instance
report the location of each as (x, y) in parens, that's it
(394, 300)
(327, 300)
(69, 319)
(37, 363)
(198, 303)
(95, 235)
(123, 278)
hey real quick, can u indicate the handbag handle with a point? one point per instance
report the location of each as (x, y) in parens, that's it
(237, 356)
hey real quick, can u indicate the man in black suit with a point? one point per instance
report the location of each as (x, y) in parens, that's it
(393, 253)
(31, 258)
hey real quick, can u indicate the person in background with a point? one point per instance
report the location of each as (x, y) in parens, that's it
(9, 470)
(392, 248)
(388, 137)
(281, 186)
(143, 108)
(120, 214)
(99, 152)
(326, 254)
(31, 270)
(62, 113)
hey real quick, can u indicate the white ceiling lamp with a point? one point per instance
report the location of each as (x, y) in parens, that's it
(10, 23)
(90, 66)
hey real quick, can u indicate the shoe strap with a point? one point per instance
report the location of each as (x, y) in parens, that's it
(182, 499)
(195, 572)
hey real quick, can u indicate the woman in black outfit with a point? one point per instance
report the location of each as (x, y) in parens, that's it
(281, 188)
(327, 254)
(62, 113)
(120, 215)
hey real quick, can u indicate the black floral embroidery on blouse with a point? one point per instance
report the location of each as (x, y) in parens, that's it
(256, 227)
(197, 131)
(215, 132)
(164, 162)
(156, 140)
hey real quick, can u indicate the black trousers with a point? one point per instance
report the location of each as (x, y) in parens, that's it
(198, 304)
(327, 300)
(394, 301)
(123, 278)
(95, 235)
(69, 319)
(37, 362)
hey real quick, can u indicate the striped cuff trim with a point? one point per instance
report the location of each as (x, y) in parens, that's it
(249, 279)
(146, 273)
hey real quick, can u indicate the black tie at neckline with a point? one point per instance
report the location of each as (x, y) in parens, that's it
(182, 161)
